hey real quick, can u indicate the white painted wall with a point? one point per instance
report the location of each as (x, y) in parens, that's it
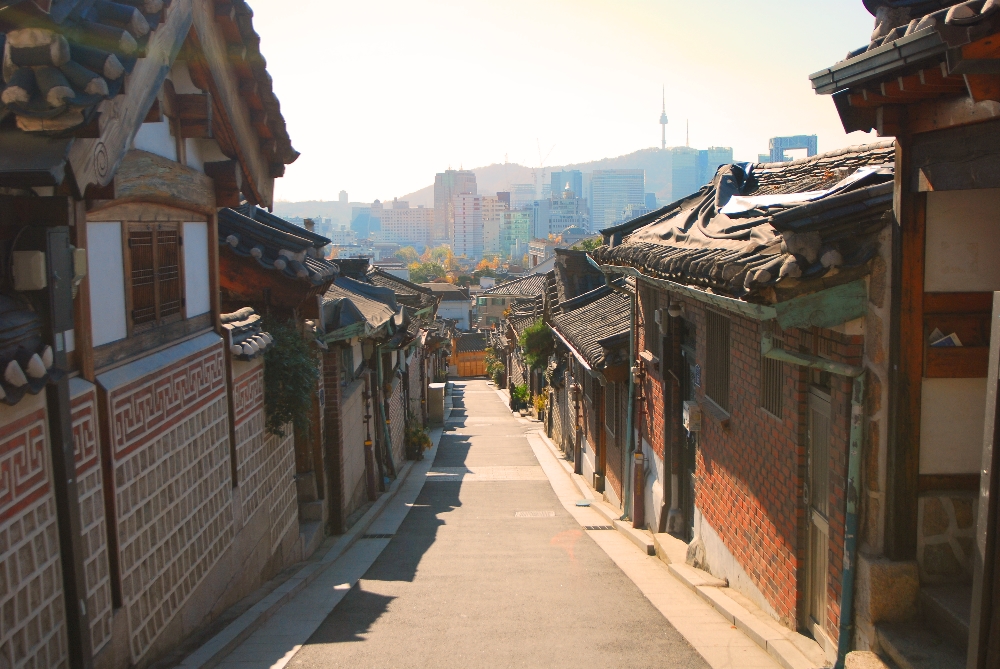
(952, 412)
(455, 310)
(962, 243)
(196, 283)
(107, 282)
(156, 139)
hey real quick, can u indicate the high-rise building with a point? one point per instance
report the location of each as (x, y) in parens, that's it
(468, 239)
(778, 146)
(651, 201)
(406, 225)
(503, 197)
(342, 197)
(515, 233)
(571, 179)
(447, 185)
(367, 221)
(521, 196)
(493, 208)
(709, 161)
(610, 192)
(686, 173)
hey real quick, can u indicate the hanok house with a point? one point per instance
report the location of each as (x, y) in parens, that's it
(930, 77)
(590, 417)
(470, 354)
(122, 128)
(493, 302)
(278, 269)
(371, 355)
(761, 345)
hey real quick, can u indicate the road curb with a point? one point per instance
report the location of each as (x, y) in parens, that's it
(215, 650)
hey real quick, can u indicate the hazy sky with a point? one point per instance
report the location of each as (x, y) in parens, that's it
(378, 96)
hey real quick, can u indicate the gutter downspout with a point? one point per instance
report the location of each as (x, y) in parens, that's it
(630, 444)
(853, 475)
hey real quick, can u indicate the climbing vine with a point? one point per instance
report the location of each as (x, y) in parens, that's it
(290, 374)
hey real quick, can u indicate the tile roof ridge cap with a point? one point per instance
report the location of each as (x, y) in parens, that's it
(855, 149)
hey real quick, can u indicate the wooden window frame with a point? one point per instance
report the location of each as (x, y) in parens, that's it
(611, 408)
(772, 386)
(154, 227)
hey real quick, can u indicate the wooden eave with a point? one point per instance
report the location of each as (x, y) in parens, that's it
(245, 278)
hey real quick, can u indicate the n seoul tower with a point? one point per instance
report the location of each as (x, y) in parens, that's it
(663, 121)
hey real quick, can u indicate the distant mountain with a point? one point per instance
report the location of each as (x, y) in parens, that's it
(499, 177)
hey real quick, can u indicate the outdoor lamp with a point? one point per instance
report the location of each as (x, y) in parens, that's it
(676, 309)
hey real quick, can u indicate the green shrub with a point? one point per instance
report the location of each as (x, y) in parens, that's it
(537, 343)
(290, 373)
(521, 395)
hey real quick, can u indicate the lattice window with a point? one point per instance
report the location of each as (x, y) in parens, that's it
(156, 293)
(717, 358)
(771, 385)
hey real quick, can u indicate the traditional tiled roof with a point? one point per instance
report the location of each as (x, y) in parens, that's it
(276, 244)
(25, 360)
(766, 231)
(471, 342)
(407, 292)
(574, 274)
(244, 336)
(447, 292)
(377, 305)
(525, 311)
(596, 324)
(532, 284)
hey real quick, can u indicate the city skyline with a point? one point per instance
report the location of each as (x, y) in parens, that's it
(737, 84)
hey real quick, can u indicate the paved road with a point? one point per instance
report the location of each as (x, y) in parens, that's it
(466, 582)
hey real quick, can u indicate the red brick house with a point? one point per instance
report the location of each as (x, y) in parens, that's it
(756, 353)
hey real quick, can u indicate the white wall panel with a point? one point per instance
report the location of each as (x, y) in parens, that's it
(952, 412)
(962, 241)
(107, 282)
(196, 283)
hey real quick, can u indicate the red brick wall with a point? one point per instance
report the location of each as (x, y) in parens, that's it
(750, 472)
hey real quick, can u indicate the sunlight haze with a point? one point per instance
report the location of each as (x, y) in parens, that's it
(380, 96)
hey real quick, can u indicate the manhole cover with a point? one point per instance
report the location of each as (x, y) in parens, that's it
(583, 502)
(377, 536)
(535, 514)
(598, 527)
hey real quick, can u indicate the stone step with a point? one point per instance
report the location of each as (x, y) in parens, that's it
(912, 645)
(947, 609)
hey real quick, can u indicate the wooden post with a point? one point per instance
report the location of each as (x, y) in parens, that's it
(984, 627)
(907, 341)
(83, 332)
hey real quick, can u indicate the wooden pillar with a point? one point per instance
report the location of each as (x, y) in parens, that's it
(906, 365)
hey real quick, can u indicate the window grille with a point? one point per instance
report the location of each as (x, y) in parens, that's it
(717, 358)
(155, 288)
(771, 385)
(347, 367)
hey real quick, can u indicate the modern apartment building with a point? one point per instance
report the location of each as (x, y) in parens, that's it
(515, 233)
(567, 180)
(611, 191)
(468, 236)
(493, 209)
(522, 195)
(447, 185)
(407, 225)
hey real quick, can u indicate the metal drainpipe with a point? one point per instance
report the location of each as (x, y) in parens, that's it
(853, 474)
(630, 446)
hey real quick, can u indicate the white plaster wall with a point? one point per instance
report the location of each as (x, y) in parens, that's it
(156, 139)
(456, 310)
(196, 285)
(952, 413)
(722, 564)
(587, 466)
(107, 282)
(962, 243)
(653, 492)
(354, 446)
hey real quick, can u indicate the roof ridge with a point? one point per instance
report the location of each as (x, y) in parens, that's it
(856, 149)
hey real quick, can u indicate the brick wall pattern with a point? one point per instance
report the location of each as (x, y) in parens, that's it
(173, 488)
(750, 472)
(397, 424)
(282, 498)
(90, 487)
(32, 619)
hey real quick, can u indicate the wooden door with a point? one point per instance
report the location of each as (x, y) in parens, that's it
(817, 507)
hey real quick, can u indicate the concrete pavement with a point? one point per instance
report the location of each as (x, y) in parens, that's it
(488, 564)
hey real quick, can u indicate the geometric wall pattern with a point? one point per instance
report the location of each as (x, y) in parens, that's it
(90, 489)
(173, 487)
(32, 618)
(265, 463)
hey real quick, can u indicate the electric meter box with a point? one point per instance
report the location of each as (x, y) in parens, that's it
(692, 417)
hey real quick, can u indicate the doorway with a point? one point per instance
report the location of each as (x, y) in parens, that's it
(817, 501)
(689, 441)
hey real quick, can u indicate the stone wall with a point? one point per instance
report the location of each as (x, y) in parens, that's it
(90, 487)
(32, 617)
(946, 526)
(397, 424)
(169, 443)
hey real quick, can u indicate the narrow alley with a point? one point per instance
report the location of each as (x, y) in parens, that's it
(487, 567)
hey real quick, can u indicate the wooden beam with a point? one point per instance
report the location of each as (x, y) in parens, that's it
(957, 303)
(949, 113)
(95, 161)
(983, 86)
(228, 182)
(233, 124)
(145, 177)
(961, 158)
(194, 115)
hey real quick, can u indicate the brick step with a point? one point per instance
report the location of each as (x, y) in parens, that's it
(947, 609)
(914, 645)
